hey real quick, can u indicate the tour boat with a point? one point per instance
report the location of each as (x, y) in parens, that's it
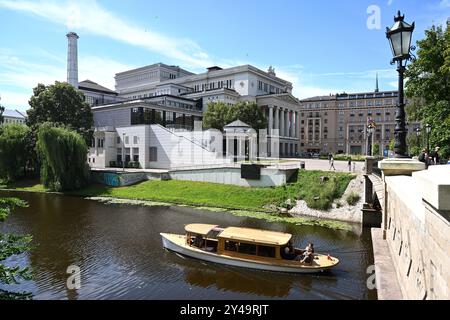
(245, 247)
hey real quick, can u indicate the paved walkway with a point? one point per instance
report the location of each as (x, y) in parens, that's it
(388, 287)
(324, 165)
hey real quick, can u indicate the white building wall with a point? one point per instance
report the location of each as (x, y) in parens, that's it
(116, 118)
(178, 151)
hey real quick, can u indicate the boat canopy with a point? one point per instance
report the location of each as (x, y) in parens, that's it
(256, 236)
(198, 228)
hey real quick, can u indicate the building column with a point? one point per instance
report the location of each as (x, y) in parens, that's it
(277, 117)
(291, 123)
(270, 120)
(282, 122)
(286, 122)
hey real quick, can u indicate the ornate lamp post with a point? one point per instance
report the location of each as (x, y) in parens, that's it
(370, 129)
(428, 130)
(418, 131)
(399, 36)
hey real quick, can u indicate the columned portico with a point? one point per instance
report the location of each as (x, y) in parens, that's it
(270, 120)
(277, 118)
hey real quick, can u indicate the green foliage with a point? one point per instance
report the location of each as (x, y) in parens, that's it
(392, 145)
(250, 113)
(220, 114)
(11, 245)
(1, 113)
(13, 154)
(353, 198)
(428, 87)
(345, 157)
(376, 150)
(217, 116)
(63, 155)
(62, 104)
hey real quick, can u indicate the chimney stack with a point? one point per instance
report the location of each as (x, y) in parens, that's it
(72, 59)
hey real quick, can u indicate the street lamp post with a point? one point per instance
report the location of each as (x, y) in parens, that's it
(123, 151)
(399, 36)
(428, 129)
(369, 139)
(418, 131)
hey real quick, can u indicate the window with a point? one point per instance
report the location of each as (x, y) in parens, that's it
(118, 140)
(153, 154)
(135, 139)
(127, 140)
(100, 143)
(247, 248)
(136, 154)
(265, 251)
(231, 245)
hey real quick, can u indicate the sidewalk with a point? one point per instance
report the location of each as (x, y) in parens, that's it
(388, 287)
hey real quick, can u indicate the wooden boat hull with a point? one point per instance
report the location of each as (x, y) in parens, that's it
(176, 243)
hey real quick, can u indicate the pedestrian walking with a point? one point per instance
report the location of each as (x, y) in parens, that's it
(349, 164)
(332, 163)
(354, 166)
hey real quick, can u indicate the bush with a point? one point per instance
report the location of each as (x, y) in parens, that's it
(63, 156)
(317, 194)
(13, 157)
(353, 198)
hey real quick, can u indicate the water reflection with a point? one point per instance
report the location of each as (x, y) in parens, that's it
(119, 251)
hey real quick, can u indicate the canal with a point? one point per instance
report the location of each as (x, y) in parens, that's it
(118, 249)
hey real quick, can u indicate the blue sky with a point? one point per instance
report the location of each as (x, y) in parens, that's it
(322, 46)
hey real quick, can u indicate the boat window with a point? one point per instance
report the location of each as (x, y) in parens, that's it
(265, 251)
(231, 245)
(214, 233)
(247, 248)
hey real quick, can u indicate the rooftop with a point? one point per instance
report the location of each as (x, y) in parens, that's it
(14, 114)
(256, 236)
(93, 86)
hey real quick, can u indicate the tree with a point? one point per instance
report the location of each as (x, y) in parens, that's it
(428, 86)
(217, 116)
(220, 114)
(391, 144)
(13, 151)
(376, 149)
(62, 154)
(61, 104)
(2, 109)
(250, 113)
(10, 245)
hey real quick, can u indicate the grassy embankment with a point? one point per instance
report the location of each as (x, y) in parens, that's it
(309, 187)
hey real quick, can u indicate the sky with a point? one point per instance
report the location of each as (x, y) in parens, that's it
(322, 46)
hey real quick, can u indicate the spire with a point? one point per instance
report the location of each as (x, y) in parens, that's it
(376, 85)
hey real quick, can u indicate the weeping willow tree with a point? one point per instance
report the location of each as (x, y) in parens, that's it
(63, 154)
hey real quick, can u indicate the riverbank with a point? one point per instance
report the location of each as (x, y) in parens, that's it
(317, 188)
(341, 210)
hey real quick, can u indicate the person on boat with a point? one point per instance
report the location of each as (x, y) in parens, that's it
(198, 241)
(308, 254)
(288, 252)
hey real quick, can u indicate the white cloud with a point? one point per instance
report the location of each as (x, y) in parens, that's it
(23, 75)
(15, 100)
(100, 70)
(89, 16)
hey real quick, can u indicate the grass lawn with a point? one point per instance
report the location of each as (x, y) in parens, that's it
(309, 187)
